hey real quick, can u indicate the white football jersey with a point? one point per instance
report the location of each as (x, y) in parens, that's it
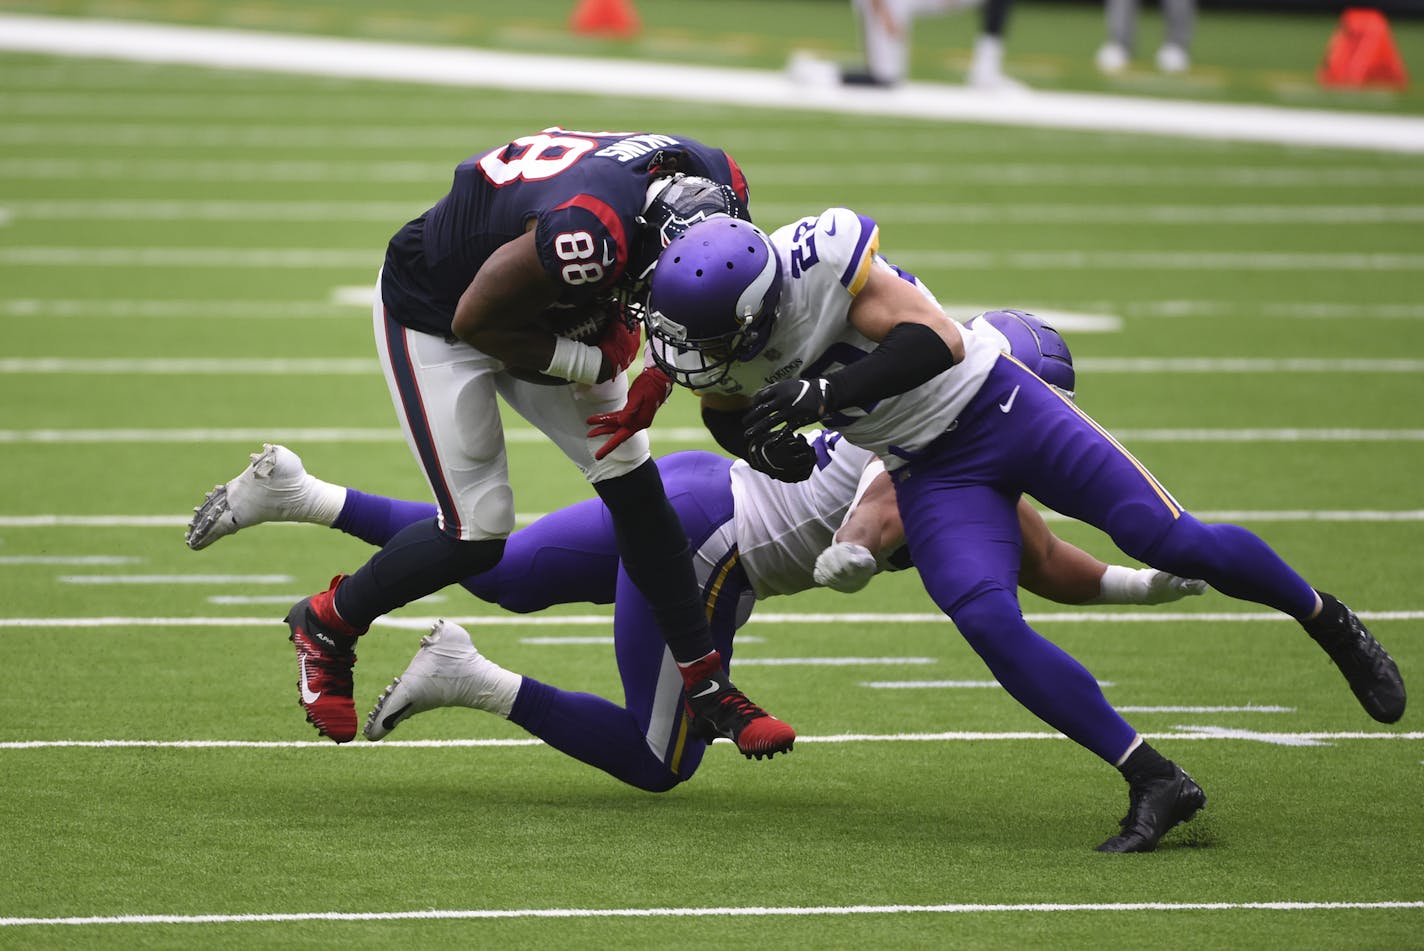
(782, 527)
(825, 262)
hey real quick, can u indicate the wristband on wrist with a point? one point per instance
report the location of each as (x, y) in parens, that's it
(576, 362)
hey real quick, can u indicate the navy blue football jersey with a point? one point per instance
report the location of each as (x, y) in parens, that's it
(583, 190)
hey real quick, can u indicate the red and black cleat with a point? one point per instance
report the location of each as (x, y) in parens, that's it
(325, 658)
(719, 709)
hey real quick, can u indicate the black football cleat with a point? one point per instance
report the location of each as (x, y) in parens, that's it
(719, 709)
(1155, 805)
(1367, 666)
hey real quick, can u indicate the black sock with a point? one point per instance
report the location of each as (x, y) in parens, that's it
(658, 559)
(420, 559)
(1328, 620)
(1145, 763)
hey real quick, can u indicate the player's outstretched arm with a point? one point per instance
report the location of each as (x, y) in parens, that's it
(1054, 569)
(872, 528)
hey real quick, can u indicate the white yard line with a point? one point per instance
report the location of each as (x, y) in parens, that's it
(765, 618)
(660, 435)
(733, 911)
(759, 89)
(961, 736)
(368, 366)
(929, 212)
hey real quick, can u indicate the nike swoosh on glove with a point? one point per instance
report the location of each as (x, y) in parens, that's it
(845, 566)
(792, 403)
(619, 343)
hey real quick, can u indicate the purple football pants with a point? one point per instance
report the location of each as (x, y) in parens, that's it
(957, 499)
(571, 556)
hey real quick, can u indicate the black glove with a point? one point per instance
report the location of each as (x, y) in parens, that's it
(783, 455)
(792, 403)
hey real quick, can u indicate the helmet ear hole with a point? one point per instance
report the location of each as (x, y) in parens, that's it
(711, 305)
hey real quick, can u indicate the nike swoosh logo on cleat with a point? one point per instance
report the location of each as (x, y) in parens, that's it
(1008, 404)
(715, 686)
(390, 721)
(308, 696)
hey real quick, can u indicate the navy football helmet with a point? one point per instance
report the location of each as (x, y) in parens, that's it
(675, 203)
(713, 300)
(1036, 345)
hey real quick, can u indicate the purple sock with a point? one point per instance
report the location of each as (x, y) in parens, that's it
(595, 731)
(376, 518)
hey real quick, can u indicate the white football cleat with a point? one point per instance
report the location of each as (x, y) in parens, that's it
(1111, 59)
(1171, 58)
(447, 671)
(274, 487)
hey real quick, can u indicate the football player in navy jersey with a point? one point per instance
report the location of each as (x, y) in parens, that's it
(753, 537)
(811, 324)
(470, 296)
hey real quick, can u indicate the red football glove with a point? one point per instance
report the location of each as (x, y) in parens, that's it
(619, 343)
(646, 393)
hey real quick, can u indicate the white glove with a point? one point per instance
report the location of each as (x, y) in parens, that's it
(1121, 585)
(1163, 587)
(845, 566)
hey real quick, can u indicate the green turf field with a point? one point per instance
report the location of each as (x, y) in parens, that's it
(182, 258)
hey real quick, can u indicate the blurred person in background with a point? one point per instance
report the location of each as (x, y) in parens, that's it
(1173, 55)
(885, 29)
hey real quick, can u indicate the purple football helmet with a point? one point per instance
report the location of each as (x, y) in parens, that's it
(1037, 346)
(713, 300)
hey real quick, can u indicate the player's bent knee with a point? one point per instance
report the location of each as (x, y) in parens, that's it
(989, 618)
(489, 512)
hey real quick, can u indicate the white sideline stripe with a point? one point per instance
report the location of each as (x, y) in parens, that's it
(366, 260)
(185, 309)
(1288, 515)
(671, 434)
(289, 599)
(603, 641)
(961, 736)
(752, 88)
(1143, 260)
(1276, 739)
(1248, 708)
(186, 257)
(67, 560)
(344, 297)
(904, 213)
(834, 661)
(175, 579)
(946, 684)
(930, 684)
(730, 911)
(195, 366)
(782, 175)
(363, 366)
(1254, 365)
(577, 620)
(525, 518)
